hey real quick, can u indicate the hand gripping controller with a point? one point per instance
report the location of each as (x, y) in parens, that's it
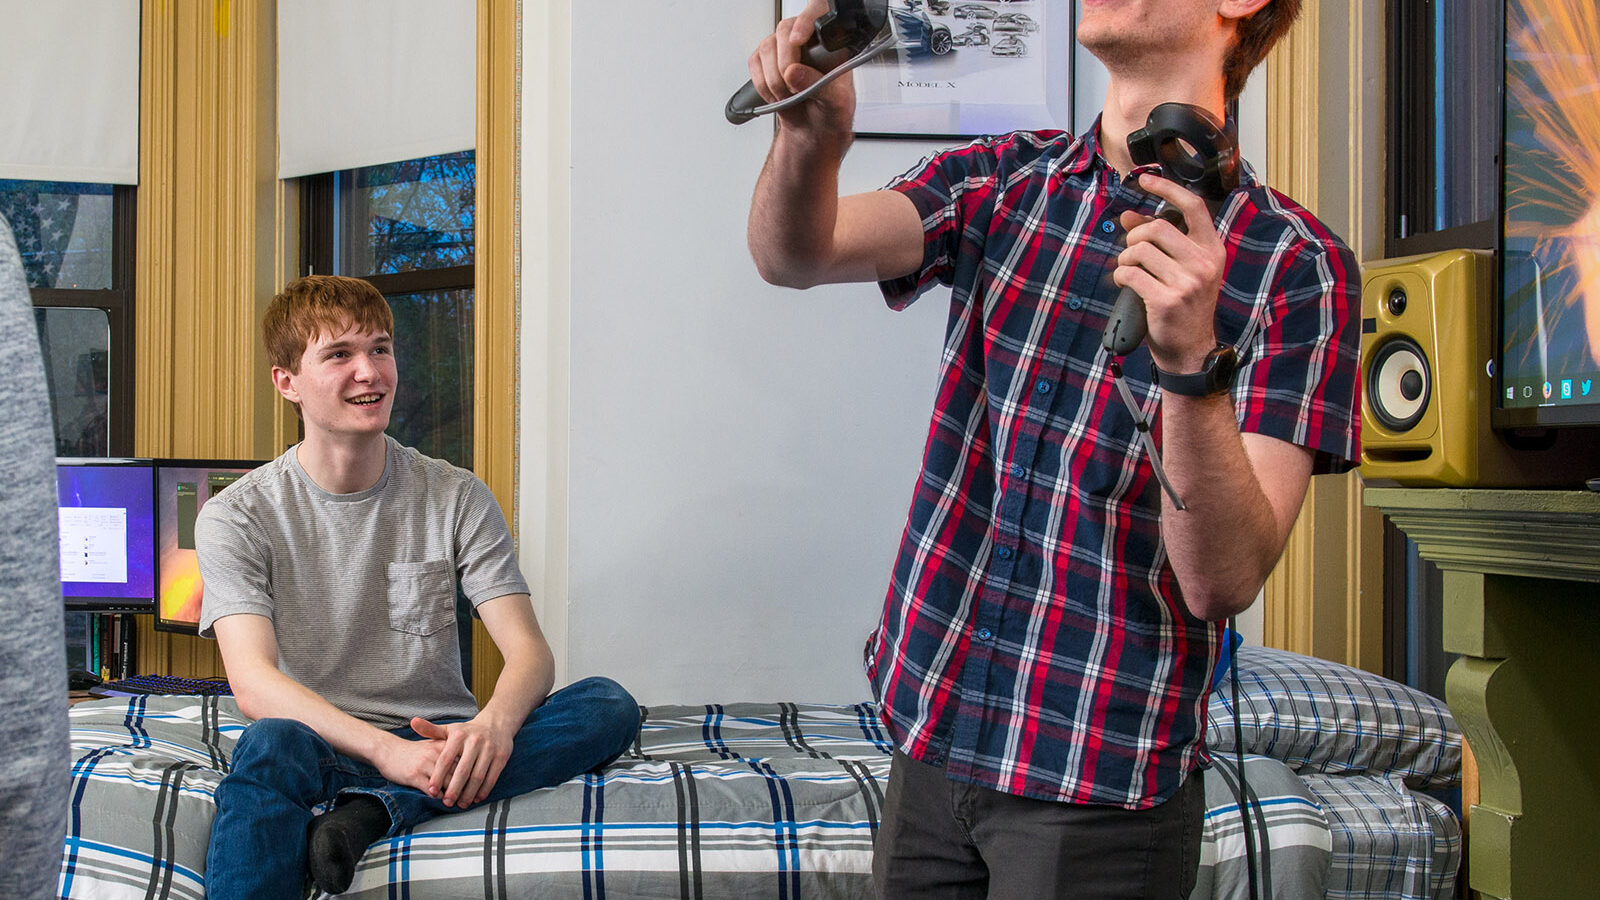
(849, 34)
(1200, 153)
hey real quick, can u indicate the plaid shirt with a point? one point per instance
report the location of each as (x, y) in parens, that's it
(1035, 639)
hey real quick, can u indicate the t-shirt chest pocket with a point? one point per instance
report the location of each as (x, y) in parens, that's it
(422, 596)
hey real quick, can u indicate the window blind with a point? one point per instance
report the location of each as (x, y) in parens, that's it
(363, 82)
(69, 91)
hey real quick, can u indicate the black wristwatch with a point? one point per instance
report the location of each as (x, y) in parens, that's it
(1215, 375)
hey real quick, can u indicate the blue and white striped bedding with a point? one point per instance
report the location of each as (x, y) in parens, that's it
(745, 800)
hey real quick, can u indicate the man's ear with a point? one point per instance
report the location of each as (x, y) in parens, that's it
(1240, 9)
(283, 380)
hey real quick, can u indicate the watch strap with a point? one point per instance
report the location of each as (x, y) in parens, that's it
(1215, 375)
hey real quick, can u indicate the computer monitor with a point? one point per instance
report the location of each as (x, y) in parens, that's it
(107, 518)
(1549, 360)
(183, 487)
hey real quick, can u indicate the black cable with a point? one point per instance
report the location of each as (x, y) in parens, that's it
(1247, 802)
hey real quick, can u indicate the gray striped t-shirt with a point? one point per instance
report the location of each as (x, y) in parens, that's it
(360, 587)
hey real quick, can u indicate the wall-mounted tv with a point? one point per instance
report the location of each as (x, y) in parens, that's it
(1549, 255)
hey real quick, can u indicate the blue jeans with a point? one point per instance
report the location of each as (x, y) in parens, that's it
(282, 770)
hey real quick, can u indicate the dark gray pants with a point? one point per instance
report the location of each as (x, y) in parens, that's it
(947, 839)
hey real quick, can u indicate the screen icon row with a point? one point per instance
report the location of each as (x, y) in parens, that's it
(1566, 389)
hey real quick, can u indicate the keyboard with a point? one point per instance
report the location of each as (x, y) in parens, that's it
(163, 684)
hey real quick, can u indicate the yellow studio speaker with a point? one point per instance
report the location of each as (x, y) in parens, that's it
(1427, 338)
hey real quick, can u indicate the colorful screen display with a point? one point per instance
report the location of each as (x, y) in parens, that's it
(107, 519)
(183, 487)
(1549, 363)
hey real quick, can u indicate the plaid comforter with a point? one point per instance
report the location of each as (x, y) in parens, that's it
(745, 800)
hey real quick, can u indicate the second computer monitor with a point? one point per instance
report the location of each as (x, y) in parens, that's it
(183, 487)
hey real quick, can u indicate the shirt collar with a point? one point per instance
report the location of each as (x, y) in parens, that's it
(1085, 150)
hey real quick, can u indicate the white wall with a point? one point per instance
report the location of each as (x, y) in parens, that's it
(741, 455)
(714, 472)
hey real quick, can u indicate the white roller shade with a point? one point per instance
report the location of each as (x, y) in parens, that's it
(69, 91)
(362, 82)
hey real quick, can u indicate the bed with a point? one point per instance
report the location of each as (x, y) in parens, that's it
(752, 800)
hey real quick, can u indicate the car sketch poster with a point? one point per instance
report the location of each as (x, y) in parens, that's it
(967, 68)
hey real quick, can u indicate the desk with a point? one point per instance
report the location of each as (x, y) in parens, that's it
(1522, 607)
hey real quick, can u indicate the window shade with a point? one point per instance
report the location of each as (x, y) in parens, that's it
(362, 82)
(69, 91)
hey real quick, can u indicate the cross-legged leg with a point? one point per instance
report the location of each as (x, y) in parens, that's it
(281, 770)
(583, 726)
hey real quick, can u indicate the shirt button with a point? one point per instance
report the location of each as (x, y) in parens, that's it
(1075, 303)
(1108, 226)
(1003, 552)
(984, 634)
(1017, 470)
(1043, 387)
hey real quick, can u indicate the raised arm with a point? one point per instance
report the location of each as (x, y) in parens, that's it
(801, 232)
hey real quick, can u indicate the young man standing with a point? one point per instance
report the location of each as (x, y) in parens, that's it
(1044, 654)
(330, 585)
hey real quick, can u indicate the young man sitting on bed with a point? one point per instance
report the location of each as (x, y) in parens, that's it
(330, 586)
(1043, 658)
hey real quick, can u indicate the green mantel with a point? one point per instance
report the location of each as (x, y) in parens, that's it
(1522, 608)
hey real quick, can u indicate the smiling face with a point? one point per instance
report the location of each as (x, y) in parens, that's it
(345, 384)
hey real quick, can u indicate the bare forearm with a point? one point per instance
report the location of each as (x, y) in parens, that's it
(523, 685)
(265, 692)
(795, 209)
(1226, 540)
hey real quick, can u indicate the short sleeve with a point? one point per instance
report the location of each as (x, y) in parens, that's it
(233, 565)
(1299, 382)
(944, 188)
(485, 555)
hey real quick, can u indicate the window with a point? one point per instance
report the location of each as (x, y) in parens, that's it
(1445, 73)
(1444, 124)
(76, 242)
(408, 228)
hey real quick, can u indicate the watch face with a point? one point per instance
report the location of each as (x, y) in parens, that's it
(1224, 365)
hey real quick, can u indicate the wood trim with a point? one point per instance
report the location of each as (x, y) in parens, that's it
(495, 288)
(1293, 69)
(154, 240)
(446, 279)
(209, 254)
(1326, 124)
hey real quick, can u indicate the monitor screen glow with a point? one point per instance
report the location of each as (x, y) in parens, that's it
(183, 487)
(106, 517)
(1549, 361)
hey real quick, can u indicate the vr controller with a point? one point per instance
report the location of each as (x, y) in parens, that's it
(849, 34)
(1200, 153)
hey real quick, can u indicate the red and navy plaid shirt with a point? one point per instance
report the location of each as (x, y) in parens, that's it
(1035, 639)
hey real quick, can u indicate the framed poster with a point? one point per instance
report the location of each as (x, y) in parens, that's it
(964, 68)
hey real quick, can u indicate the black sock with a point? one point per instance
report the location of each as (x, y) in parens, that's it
(336, 840)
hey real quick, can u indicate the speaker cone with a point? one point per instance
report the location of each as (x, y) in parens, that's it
(1399, 384)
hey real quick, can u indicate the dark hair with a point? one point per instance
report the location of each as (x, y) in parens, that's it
(1254, 37)
(316, 305)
